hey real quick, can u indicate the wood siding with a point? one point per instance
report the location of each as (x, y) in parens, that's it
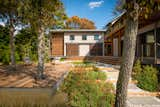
(57, 44)
(72, 49)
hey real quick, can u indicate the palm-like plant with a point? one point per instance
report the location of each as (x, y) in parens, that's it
(40, 15)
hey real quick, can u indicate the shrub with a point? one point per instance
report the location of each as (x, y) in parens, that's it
(5, 56)
(137, 69)
(84, 90)
(148, 79)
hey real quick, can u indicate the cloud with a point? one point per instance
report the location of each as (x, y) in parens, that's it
(93, 5)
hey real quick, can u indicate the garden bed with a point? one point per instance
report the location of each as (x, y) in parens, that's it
(25, 76)
(85, 86)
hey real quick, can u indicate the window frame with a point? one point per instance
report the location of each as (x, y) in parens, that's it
(96, 37)
(84, 37)
(71, 37)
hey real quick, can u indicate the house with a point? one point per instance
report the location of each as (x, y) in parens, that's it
(148, 38)
(73, 43)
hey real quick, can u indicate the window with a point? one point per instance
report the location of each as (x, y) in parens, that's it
(96, 37)
(71, 37)
(84, 37)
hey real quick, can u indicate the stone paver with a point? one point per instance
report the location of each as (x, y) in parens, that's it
(136, 96)
(143, 102)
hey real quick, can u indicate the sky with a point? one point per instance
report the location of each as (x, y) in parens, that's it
(98, 11)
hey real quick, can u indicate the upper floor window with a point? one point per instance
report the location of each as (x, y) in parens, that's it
(71, 37)
(84, 37)
(96, 37)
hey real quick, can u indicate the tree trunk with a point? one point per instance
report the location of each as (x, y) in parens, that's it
(127, 58)
(12, 46)
(41, 49)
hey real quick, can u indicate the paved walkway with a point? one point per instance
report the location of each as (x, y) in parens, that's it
(136, 96)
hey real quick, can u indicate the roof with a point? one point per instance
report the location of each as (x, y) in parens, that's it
(115, 19)
(76, 30)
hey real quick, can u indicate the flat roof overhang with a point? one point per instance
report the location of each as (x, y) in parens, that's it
(76, 30)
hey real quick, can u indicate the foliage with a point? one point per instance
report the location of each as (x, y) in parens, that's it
(137, 69)
(148, 79)
(80, 63)
(41, 15)
(4, 45)
(46, 13)
(9, 16)
(26, 44)
(62, 59)
(79, 23)
(88, 89)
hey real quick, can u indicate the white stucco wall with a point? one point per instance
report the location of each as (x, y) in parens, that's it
(78, 39)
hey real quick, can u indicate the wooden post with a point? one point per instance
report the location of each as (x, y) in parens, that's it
(155, 45)
(141, 52)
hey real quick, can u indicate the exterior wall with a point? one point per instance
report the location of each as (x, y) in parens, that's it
(78, 39)
(147, 52)
(72, 50)
(109, 41)
(57, 44)
(149, 27)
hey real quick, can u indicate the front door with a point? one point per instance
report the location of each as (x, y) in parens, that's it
(115, 47)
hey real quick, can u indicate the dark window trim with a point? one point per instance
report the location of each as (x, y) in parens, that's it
(84, 37)
(72, 37)
(95, 38)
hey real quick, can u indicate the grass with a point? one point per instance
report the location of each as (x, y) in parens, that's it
(83, 63)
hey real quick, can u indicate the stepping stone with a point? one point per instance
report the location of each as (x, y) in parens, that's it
(143, 102)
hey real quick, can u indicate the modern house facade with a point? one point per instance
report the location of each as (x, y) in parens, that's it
(148, 39)
(108, 44)
(73, 43)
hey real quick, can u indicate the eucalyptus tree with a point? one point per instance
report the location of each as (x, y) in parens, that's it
(134, 10)
(40, 15)
(9, 16)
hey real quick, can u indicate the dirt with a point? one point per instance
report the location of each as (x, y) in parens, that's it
(25, 75)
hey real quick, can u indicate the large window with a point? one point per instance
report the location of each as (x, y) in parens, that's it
(84, 37)
(148, 44)
(96, 37)
(72, 37)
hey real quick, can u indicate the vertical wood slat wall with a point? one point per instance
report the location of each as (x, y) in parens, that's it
(57, 46)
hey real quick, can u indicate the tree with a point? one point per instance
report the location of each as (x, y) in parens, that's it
(4, 45)
(41, 14)
(134, 9)
(8, 14)
(79, 23)
(26, 44)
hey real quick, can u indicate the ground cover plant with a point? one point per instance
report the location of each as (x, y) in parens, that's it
(146, 76)
(87, 88)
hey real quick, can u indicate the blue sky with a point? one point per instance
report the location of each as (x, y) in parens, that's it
(99, 11)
